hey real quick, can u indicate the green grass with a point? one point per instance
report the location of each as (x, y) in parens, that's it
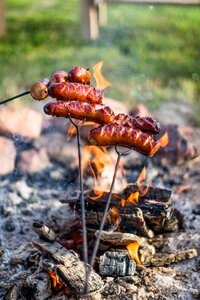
(151, 54)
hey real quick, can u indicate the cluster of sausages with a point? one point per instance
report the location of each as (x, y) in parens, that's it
(75, 97)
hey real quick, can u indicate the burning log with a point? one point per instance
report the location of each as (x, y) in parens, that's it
(147, 217)
(116, 264)
(70, 268)
(155, 193)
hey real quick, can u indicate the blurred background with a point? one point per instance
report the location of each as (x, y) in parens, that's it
(151, 53)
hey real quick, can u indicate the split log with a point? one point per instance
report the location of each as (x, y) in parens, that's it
(119, 238)
(165, 259)
(70, 269)
(116, 264)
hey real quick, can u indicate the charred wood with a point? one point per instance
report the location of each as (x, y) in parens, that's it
(116, 264)
(166, 259)
(43, 231)
(70, 268)
(148, 192)
(120, 238)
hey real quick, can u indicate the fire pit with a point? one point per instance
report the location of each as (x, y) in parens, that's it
(101, 236)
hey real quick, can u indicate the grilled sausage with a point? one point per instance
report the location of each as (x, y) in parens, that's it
(80, 110)
(80, 75)
(145, 124)
(39, 90)
(75, 91)
(58, 76)
(110, 134)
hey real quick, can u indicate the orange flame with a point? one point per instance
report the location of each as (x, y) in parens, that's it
(133, 251)
(143, 190)
(96, 158)
(72, 129)
(56, 282)
(164, 140)
(114, 215)
(133, 198)
(101, 82)
(98, 194)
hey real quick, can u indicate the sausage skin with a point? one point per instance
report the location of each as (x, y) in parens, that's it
(110, 134)
(145, 124)
(39, 90)
(80, 75)
(100, 114)
(58, 76)
(75, 91)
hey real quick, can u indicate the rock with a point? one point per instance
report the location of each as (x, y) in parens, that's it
(21, 121)
(178, 149)
(7, 156)
(32, 161)
(58, 147)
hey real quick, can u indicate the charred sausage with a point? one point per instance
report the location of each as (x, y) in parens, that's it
(80, 75)
(39, 90)
(110, 134)
(80, 110)
(58, 76)
(145, 124)
(75, 91)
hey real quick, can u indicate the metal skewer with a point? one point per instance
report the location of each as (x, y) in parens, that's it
(96, 246)
(14, 97)
(83, 220)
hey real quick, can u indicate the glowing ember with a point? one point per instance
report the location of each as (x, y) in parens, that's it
(101, 82)
(133, 252)
(164, 140)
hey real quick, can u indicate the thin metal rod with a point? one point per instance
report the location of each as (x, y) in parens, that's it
(83, 220)
(96, 246)
(14, 97)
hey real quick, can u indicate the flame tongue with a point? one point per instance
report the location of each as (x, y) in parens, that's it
(164, 140)
(133, 252)
(56, 282)
(101, 82)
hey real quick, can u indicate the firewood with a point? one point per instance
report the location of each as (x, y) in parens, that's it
(120, 238)
(71, 269)
(166, 259)
(148, 192)
(43, 231)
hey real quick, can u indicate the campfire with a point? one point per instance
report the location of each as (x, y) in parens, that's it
(118, 226)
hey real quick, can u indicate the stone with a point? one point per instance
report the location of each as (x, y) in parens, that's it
(21, 121)
(58, 147)
(7, 156)
(32, 161)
